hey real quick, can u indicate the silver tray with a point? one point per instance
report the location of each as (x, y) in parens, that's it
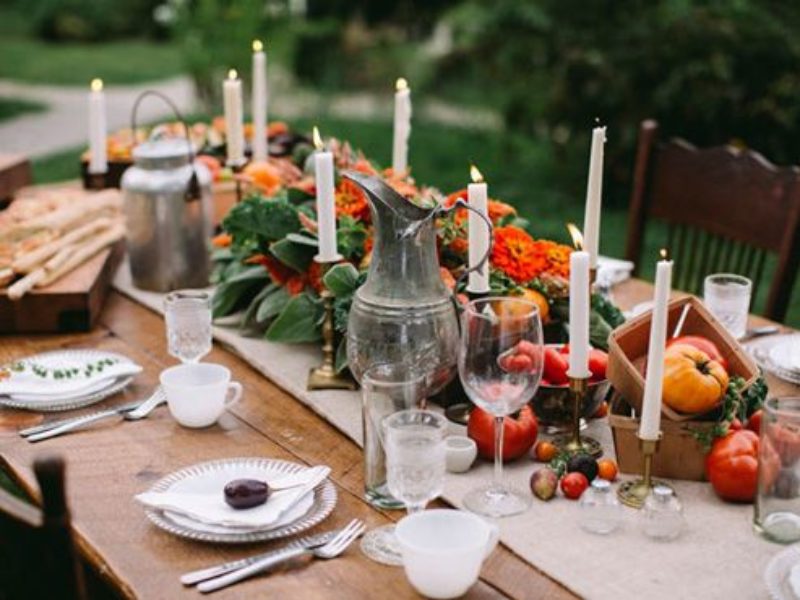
(324, 501)
(58, 405)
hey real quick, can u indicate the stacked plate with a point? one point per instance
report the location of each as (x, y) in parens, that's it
(190, 503)
(778, 354)
(64, 379)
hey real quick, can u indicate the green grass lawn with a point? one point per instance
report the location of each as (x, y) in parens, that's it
(14, 107)
(518, 170)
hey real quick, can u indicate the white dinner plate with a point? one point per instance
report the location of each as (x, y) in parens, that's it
(91, 394)
(211, 477)
(785, 353)
(761, 351)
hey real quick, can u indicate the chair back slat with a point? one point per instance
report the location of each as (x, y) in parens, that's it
(725, 209)
(39, 537)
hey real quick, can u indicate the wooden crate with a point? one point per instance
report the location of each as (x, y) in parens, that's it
(680, 455)
(628, 351)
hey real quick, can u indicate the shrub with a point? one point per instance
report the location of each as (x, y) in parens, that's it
(80, 20)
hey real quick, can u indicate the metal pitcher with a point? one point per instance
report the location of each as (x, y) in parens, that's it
(168, 205)
(403, 313)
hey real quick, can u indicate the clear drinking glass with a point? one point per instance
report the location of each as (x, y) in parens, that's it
(727, 296)
(777, 506)
(500, 363)
(662, 517)
(385, 390)
(188, 316)
(415, 459)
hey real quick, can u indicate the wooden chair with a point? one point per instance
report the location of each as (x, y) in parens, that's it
(725, 209)
(37, 556)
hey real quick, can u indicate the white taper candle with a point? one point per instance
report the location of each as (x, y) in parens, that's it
(98, 152)
(234, 125)
(478, 196)
(326, 202)
(260, 100)
(402, 126)
(594, 197)
(650, 426)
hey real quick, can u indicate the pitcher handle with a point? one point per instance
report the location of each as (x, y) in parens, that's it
(461, 203)
(193, 189)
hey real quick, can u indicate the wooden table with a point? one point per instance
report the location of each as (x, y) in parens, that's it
(114, 461)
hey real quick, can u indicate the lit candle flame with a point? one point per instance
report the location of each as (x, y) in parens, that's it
(664, 254)
(97, 85)
(477, 176)
(577, 236)
(401, 84)
(232, 74)
(318, 139)
(257, 46)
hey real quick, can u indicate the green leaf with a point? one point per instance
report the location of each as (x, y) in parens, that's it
(599, 331)
(296, 256)
(299, 238)
(297, 196)
(237, 291)
(342, 279)
(264, 220)
(298, 322)
(250, 313)
(273, 304)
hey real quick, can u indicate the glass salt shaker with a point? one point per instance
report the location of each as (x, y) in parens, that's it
(663, 515)
(600, 511)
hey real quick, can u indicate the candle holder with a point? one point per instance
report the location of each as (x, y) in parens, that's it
(325, 377)
(96, 181)
(633, 493)
(573, 443)
(237, 167)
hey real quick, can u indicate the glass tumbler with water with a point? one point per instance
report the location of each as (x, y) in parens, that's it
(777, 506)
(188, 317)
(727, 296)
(386, 389)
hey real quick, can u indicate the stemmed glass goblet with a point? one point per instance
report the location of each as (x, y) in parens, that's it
(415, 468)
(500, 363)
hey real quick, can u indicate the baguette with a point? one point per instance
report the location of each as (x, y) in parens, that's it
(29, 261)
(83, 252)
(26, 284)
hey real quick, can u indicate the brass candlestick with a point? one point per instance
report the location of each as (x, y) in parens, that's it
(633, 493)
(236, 168)
(573, 442)
(325, 377)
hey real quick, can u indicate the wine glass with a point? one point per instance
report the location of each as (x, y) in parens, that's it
(500, 363)
(188, 317)
(415, 467)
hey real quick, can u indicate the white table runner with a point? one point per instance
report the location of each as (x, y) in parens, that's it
(718, 556)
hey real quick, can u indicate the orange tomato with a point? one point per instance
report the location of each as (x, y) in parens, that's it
(540, 301)
(693, 383)
(545, 451)
(264, 176)
(607, 469)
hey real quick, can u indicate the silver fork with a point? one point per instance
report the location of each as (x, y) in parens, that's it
(130, 414)
(330, 550)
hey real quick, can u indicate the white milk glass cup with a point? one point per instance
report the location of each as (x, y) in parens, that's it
(198, 394)
(443, 550)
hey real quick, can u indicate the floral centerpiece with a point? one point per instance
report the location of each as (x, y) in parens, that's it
(265, 272)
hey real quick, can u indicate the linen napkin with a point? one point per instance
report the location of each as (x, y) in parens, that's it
(30, 384)
(211, 508)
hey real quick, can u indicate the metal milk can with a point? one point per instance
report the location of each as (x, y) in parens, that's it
(168, 206)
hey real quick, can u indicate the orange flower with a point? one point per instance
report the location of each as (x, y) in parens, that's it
(459, 245)
(350, 200)
(295, 285)
(278, 271)
(314, 276)
(362, 165)
(223, 240)
(263, 176)
(495, 209)
(514, 254)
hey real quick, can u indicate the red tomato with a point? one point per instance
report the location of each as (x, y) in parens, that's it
(754, 422)
(519, 433)
(529, 349)
(574, 484)
(519, 363)
(735, 425)
(598, 363)
(555, 367)
(703, 344)
(732, 466)
(564, 349)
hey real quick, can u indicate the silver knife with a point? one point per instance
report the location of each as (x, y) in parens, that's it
(59, 422)
(79, 422)
(309, 542)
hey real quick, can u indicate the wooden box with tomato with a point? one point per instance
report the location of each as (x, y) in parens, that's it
(704, 367)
